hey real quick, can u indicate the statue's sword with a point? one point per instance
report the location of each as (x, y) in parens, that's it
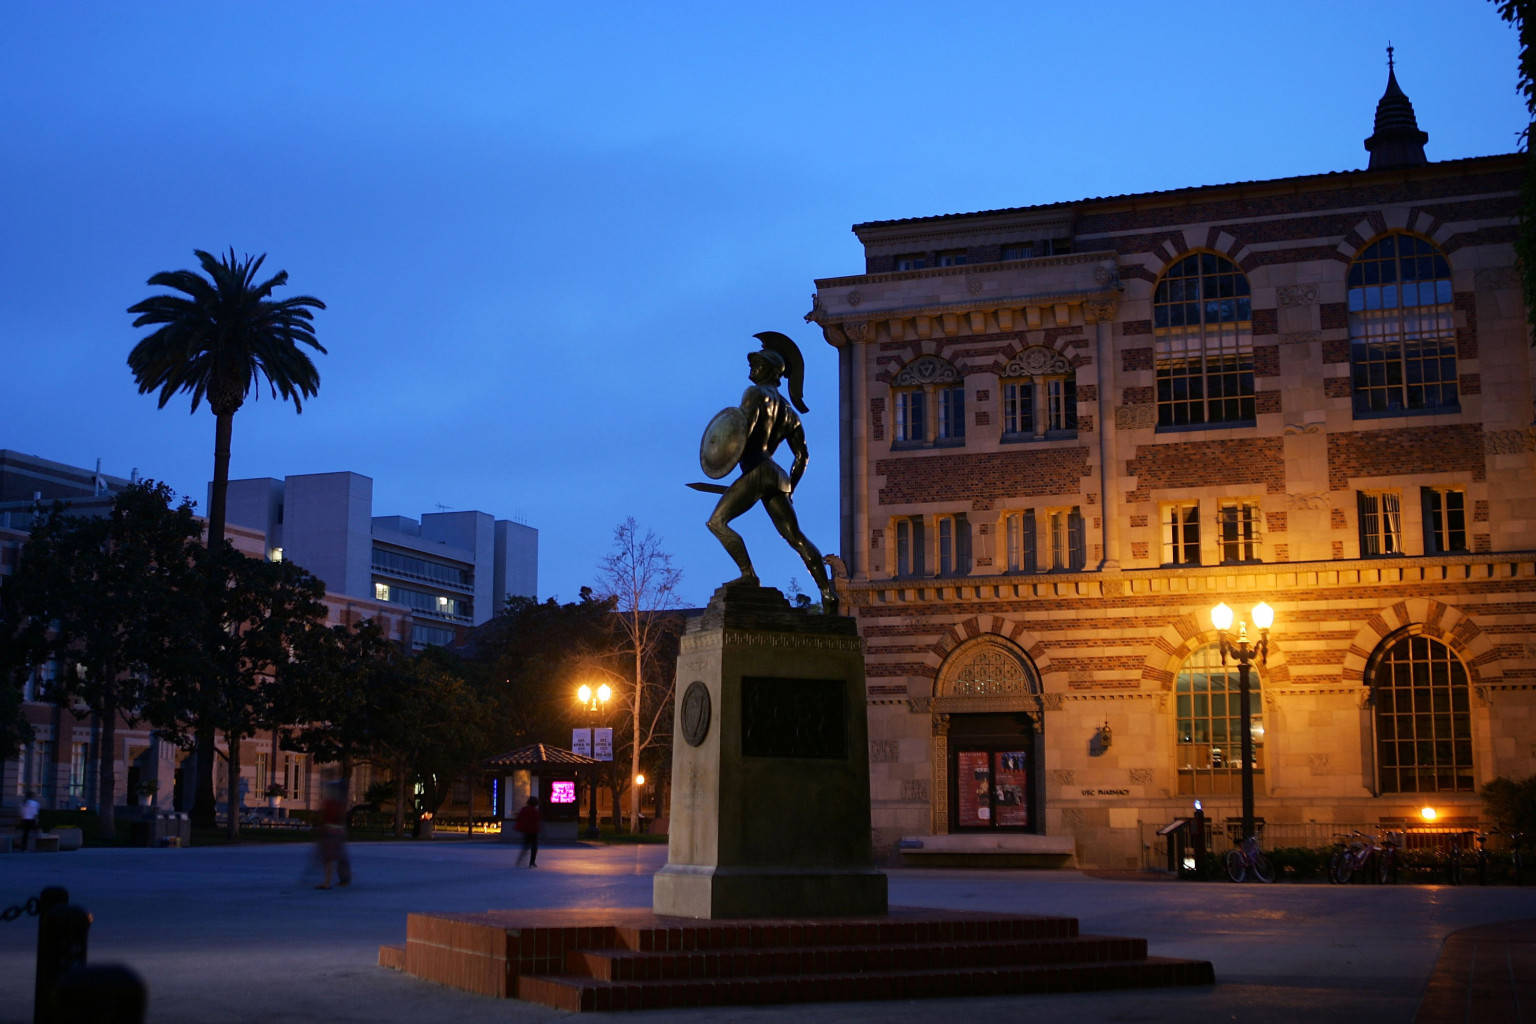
(709, 488)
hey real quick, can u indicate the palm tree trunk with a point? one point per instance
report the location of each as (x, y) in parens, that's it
(218, 493)
(203, 812)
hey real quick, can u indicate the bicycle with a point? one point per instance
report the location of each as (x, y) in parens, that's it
(1357, 856)
(1247, 859)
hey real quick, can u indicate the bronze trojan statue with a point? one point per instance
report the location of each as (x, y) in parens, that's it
(747, 436)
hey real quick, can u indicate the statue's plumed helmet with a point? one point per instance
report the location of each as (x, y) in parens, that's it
(785, 355)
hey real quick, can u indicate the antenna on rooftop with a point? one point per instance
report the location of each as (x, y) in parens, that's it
(444, 508)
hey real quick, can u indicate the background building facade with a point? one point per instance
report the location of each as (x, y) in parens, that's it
(1070, 430)
(451, 570)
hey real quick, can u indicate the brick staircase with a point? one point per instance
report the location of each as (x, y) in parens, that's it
(633, 960)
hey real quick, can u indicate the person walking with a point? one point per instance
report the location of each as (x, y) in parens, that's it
(332, 838)
(29, 811)
(527, 822)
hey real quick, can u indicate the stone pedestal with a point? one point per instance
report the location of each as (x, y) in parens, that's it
(770, 766)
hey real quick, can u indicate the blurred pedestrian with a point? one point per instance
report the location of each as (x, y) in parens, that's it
(332, 839)
(29, 810)
(528, 823)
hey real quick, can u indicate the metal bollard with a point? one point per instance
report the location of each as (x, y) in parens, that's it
(51, 896)
(106, 994)
(62, 932)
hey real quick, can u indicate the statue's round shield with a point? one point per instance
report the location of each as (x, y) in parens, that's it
(724, 440)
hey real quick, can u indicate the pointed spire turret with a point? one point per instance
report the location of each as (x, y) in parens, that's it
(1397, 141)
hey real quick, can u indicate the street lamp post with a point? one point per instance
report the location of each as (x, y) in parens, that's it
(1263, 618)
(594, 701)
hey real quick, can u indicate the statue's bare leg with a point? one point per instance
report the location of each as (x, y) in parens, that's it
(739, 497)
(782, 513)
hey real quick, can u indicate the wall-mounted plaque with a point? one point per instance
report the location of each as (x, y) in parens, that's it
(793, 718)
(696, 713)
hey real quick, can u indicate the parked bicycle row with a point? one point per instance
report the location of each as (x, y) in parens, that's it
(1382, 859)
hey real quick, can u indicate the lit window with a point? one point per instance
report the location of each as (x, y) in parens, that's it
(1239, 527)
(277, 554)
(1445, 520)
(1181, 533)
(381, 591)
(1208, 717)
(1402, 332)
(1019, 541)
(1381, 523)
(1203, 329)
(1423, 722)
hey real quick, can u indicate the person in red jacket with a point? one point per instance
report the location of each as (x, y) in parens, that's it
(527, 822)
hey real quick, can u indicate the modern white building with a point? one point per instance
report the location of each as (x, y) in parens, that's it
(451, 570)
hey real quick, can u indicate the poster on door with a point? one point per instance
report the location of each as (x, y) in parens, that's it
(973, 784)
(1012, 788)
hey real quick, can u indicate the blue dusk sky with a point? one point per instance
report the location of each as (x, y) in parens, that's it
(546, 233)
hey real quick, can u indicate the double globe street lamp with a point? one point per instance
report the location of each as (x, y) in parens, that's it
(1263, 617)
(594, 700)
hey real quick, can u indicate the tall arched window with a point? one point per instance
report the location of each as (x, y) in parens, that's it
(1402, 332)
(1203, 328)
(1423, 723)
(1207, 694)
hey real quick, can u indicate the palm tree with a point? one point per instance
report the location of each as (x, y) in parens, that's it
(214, 340)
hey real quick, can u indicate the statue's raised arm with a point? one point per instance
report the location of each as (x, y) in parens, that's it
(746, 436)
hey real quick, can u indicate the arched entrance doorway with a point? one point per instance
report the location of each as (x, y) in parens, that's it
(988, 754)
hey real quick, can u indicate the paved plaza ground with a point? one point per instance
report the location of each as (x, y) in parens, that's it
(240, 934)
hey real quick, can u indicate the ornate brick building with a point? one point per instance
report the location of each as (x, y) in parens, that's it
(1069, 430)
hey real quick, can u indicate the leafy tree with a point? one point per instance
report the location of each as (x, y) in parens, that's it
(254, 614)
(1519, 13)
(341, 691)
(638, 577)
(434, 730)
(215, 340)
(111, 591)
(534, 653)
(1511, 803)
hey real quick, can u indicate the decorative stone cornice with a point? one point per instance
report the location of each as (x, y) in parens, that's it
(715, 639)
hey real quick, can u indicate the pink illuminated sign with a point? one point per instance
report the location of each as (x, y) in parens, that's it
(562, 792)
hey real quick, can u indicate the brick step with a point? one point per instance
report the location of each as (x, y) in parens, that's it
(674, 935)
(630, 965)
(580, 994)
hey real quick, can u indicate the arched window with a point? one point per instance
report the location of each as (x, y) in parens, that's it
(1209, 722)
(929, 396)
(1423, 724)
(1402, 334)
(1203, 328)
(988, 670)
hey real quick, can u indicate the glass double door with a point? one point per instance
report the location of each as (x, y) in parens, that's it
(993, 765)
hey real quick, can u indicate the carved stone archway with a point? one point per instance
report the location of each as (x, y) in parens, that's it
(987, 674)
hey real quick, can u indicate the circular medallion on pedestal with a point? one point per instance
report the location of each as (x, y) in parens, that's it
(696, 713)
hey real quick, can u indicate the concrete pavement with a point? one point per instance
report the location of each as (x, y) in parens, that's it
(239, 934)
